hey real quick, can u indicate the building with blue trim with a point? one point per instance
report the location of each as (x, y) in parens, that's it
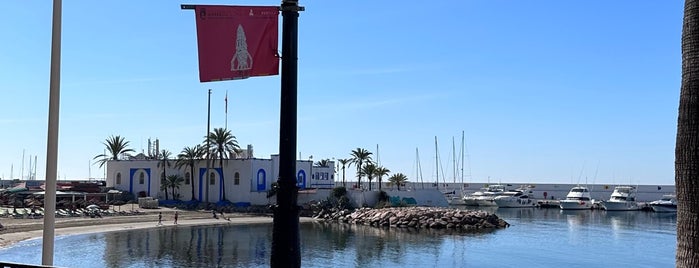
(242, 180)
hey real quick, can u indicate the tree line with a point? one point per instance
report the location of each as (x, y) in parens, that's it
(222, 145)
(366, 167)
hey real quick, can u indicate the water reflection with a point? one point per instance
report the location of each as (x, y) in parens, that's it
(535, 235)
(363, 246)
(367, 246)
(211, 246)
(248, 245)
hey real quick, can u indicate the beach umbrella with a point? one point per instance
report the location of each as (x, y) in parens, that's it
(93, 206)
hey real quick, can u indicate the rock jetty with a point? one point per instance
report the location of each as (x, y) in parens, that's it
(416, 217)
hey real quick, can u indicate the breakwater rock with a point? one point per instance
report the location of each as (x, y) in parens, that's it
(416, 217)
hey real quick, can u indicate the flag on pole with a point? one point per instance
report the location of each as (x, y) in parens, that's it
(237, 42)
(226, 100)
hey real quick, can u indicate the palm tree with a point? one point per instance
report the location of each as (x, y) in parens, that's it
(380, 172)
(398, 179)
(174, 181)
(163, 158)
(686, 157)
(359, 156)
(369, 170)
(223, 146)
(345, 162)
(190, 156)
(164, 186)
(116, 145)
(323, 163)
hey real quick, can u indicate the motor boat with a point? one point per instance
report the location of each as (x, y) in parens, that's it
(668, 203)
(519, 198)
(488, 197)
(485, 197)
(622, 199)
(577, 198)
(470, 200)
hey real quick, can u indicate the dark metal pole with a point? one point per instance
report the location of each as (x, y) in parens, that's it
(208, 150)
(286, 244)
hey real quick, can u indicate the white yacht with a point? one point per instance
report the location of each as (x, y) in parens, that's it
(520, 198)
(470, 200)
(668, 203)
(577, 198)
(622, 199)
(485, 197)
(488, 197)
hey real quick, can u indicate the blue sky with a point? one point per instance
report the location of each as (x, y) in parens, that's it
(545, 91)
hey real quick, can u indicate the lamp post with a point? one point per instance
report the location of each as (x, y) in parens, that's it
(208, 148)
(285, 236)
(52, 140)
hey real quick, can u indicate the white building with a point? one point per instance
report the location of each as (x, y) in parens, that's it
(239, 180)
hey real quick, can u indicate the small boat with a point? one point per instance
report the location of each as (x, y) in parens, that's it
(577, 198)
(622, 199)
(454, 199)
(668, 203)
(519, 198)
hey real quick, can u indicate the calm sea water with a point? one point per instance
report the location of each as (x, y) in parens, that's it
(537, 238)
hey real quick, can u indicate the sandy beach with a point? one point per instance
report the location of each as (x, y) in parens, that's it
(16, 230)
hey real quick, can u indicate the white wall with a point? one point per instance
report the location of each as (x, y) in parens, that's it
(427, 197)
(255, 179)
(323, 177)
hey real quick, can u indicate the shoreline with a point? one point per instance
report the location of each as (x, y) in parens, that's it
(18, 230)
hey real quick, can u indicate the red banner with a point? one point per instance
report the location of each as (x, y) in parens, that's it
(237, 42)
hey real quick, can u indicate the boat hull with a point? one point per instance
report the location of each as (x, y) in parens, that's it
(575, 205)
(515, 203)
(456, 201)
(620, 206)
(470, 201)
(662, 208)
(486, 202)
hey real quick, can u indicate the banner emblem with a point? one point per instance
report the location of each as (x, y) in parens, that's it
(237, 42)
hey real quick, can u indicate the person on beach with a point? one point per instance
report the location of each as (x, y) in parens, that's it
(214, 212)
(176, 214)
(160, 218)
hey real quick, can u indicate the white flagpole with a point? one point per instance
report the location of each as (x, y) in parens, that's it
(226, 126)
(52, 140)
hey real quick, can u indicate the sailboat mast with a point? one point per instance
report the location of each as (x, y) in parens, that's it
(462, 158)
(35, 161)
(436, 160)
(453, 156)
(29, 170)
(418, 168)
(21, 172)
